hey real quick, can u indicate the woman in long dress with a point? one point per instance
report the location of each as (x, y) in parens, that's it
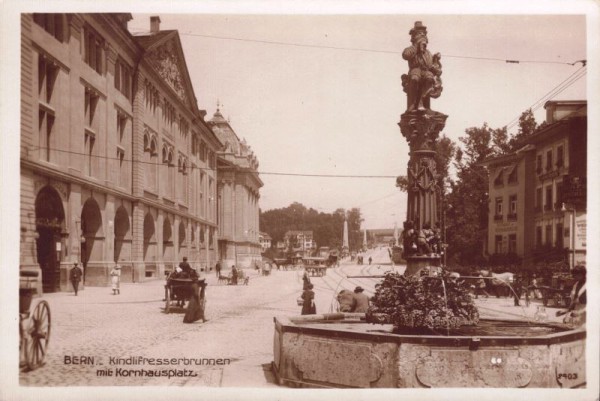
(115, 279)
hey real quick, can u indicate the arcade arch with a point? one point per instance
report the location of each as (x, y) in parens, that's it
(50, 223)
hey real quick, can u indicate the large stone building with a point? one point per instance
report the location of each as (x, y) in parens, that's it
(117, 162)
(238, 196)
(537, 194)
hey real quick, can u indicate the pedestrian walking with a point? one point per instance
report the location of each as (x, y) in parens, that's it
(196, 306)
(361, 304)
(370, 260)
(115, 279)
(218, 268)
(306, 281)
(234, 275)
(75, 277)
(308, 301)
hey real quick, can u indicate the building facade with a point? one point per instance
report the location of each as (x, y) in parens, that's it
(300, 241)
(537, 194)
(265, 241)
(238, 186)
(117, 162)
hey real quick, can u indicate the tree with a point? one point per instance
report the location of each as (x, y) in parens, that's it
(327, 228)
(466, 217)
(527, 126)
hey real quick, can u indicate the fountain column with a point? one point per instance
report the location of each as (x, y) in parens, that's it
(421, 126)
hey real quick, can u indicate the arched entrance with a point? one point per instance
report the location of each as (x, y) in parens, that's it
(122, 236)
(91, 229)
(49, 221)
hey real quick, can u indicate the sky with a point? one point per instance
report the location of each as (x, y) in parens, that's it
(321, 94)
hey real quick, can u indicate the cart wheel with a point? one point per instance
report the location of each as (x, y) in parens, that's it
(35, 341)
(167, 299)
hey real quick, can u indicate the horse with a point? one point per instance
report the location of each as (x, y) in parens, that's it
(500, 283)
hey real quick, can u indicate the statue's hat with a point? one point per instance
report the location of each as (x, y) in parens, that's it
(419, 27)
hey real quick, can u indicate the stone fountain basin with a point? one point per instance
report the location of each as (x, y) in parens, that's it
(340, 350)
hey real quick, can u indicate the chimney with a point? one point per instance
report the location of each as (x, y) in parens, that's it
(154, 24)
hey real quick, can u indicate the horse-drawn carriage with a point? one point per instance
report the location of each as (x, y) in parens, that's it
(315, 266)
(34, 322)
(559, 290)
(180, 289)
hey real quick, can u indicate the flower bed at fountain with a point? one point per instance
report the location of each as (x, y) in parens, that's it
(422, 304)
(423, 339)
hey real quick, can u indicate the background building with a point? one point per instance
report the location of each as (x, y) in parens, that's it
(238, 197)
(538, 193)
(265, 241)
(117, 163)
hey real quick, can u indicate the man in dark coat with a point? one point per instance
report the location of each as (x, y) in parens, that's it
(218, 269)
(75, 277)
(185, 266)
(361, 304)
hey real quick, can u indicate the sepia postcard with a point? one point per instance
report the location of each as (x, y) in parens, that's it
(285, 200)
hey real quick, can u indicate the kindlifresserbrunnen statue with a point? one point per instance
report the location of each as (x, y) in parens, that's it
(421, 126)
(423, 79)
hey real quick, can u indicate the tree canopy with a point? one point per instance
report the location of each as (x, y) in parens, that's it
(327, 228)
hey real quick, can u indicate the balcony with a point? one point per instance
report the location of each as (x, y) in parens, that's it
(498, 217)
(511, 217)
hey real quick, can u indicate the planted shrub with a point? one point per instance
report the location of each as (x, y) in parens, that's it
(418, 303)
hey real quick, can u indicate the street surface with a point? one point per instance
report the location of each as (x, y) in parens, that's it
(97, 338)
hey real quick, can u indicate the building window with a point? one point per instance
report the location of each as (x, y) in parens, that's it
(47, 76)
(93, 49)
(538, 199)
(560, 155)
(512, 207)
(122, 176)
(151, 97)
(168, 113)
(203, 151)
(46, 125)
(52, 23)
(89, 142)
(549, 235)
(498, 209)
(549, 160)
(548, 204)
(559, 236)
(120, 160)
(559, 196)
(512, 243)
(538, 164)
(538, 237)
(123, 78)
(498, 244)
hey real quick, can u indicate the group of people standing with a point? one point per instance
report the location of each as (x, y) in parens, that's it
(349, 301)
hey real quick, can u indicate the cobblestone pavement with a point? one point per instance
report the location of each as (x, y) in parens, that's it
(104, 327)
(99, 325)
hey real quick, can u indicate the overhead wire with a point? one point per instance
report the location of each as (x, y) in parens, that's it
(562, 86)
